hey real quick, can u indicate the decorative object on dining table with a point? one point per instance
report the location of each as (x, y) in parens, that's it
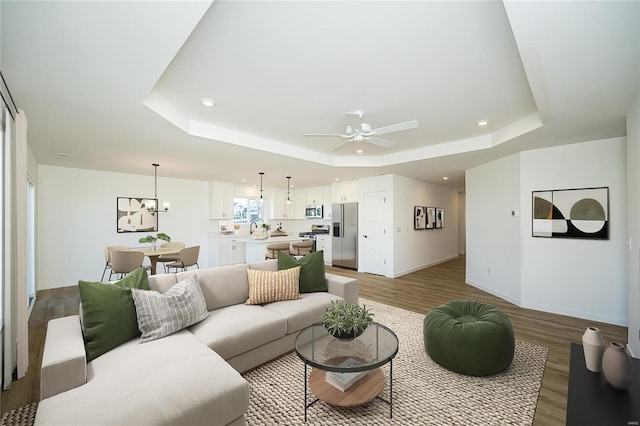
(346, 321)
(617, 366)
(132, 215)
(593, 345)
(152, 206)
(154, 240)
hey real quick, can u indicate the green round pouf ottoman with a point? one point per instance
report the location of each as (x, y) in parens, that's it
(469, 337)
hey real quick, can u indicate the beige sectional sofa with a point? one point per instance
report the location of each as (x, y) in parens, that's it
(191, 377)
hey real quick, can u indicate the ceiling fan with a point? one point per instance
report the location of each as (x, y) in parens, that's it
(357, 131)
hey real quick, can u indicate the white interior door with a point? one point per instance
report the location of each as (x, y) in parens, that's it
(373, 233)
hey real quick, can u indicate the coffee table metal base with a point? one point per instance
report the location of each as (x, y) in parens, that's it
(366, 390)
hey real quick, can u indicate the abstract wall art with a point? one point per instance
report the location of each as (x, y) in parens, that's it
(431, 217)
(571, 213)
(419, 217)
(132, 215)
(439, 217)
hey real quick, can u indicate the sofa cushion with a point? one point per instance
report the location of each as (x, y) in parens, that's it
(221, 286)
(264, 265)
(270, 286)
(109, 315)
(312, 270)
(162, 282)
(171, 381)
(162, 314)
(235, 329)
(304, 312)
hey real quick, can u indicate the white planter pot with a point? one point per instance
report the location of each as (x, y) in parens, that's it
(593, 345)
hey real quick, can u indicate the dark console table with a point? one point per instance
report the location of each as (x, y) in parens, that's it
(592, 401)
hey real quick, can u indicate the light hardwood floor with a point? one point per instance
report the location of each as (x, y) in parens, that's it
(419, 292)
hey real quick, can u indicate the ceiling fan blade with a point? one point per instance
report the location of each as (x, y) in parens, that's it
(381, 142)
(340, 144)
(325, 134)
(400, 127)
(355, 120)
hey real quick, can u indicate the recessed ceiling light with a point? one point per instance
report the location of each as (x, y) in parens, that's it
(336, 179)
(244, 180)
(208, 102)
(359, 151)
(63, 154)
(482, 123)
(445, 178)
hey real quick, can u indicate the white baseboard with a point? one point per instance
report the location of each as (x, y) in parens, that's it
(437, 262)
(489, 290)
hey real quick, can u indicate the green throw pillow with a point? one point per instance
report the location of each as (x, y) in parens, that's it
(109, 314)
(311, 270)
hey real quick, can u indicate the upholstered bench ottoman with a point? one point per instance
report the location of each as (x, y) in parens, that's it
(469, 337)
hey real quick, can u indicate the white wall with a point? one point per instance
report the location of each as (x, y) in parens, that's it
(633, 198)
(462, 223)
(492, 233)
(580, 278)
(77, 218)
(418, 249)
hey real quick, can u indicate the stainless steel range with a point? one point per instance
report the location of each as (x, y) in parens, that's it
(315, 230)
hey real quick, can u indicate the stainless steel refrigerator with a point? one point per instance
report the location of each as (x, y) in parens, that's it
(344, 243)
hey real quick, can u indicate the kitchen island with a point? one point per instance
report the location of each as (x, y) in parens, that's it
(257, 248)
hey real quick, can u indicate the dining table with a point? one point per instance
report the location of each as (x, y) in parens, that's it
(153, 255)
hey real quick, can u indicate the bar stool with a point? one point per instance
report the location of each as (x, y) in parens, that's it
(273, 249)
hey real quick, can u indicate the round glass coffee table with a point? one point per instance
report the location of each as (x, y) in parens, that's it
(377, 346)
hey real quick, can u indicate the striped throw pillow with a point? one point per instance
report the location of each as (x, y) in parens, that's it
(272, 286)
(162, 314)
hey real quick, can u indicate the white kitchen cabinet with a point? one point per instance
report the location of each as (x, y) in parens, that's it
(344, 192)
(220, 200)
(278, 207)
(227, 251)
(314, 196)
(323, 242)
(326, 198)
(297, 208)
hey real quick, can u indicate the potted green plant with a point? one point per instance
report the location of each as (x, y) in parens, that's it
(152, 239)
(346, 320)
(266, 227)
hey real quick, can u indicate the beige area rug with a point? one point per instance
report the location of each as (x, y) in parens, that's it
(423, 392)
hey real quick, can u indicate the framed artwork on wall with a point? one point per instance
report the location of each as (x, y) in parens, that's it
(431, 217)
(132, 215)
(571, 213)
(439, 217)
(419, 217)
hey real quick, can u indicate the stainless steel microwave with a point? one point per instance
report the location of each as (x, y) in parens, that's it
(313, 212)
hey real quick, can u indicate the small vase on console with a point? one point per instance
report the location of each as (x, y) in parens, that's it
(617, 366)
(593, 345)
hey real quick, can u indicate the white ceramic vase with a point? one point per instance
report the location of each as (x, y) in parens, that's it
(617, 366)
(593, 346)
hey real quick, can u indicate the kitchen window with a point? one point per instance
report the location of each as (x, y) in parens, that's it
(247, 210)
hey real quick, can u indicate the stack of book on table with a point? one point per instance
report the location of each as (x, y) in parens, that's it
(344, 381)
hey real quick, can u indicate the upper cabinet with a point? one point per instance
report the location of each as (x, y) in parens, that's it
(220, 200)
(278, 207)
(314, 196)
(344, 192)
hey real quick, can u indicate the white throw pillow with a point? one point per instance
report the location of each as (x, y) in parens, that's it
(162, 314)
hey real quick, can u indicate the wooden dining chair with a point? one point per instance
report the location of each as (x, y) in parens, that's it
(168, 258)
(273, 249)
(188, 257)
(107, 259)
(123, 262)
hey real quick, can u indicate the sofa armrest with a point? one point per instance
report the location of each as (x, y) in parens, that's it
(345, 287)
(64, 363)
